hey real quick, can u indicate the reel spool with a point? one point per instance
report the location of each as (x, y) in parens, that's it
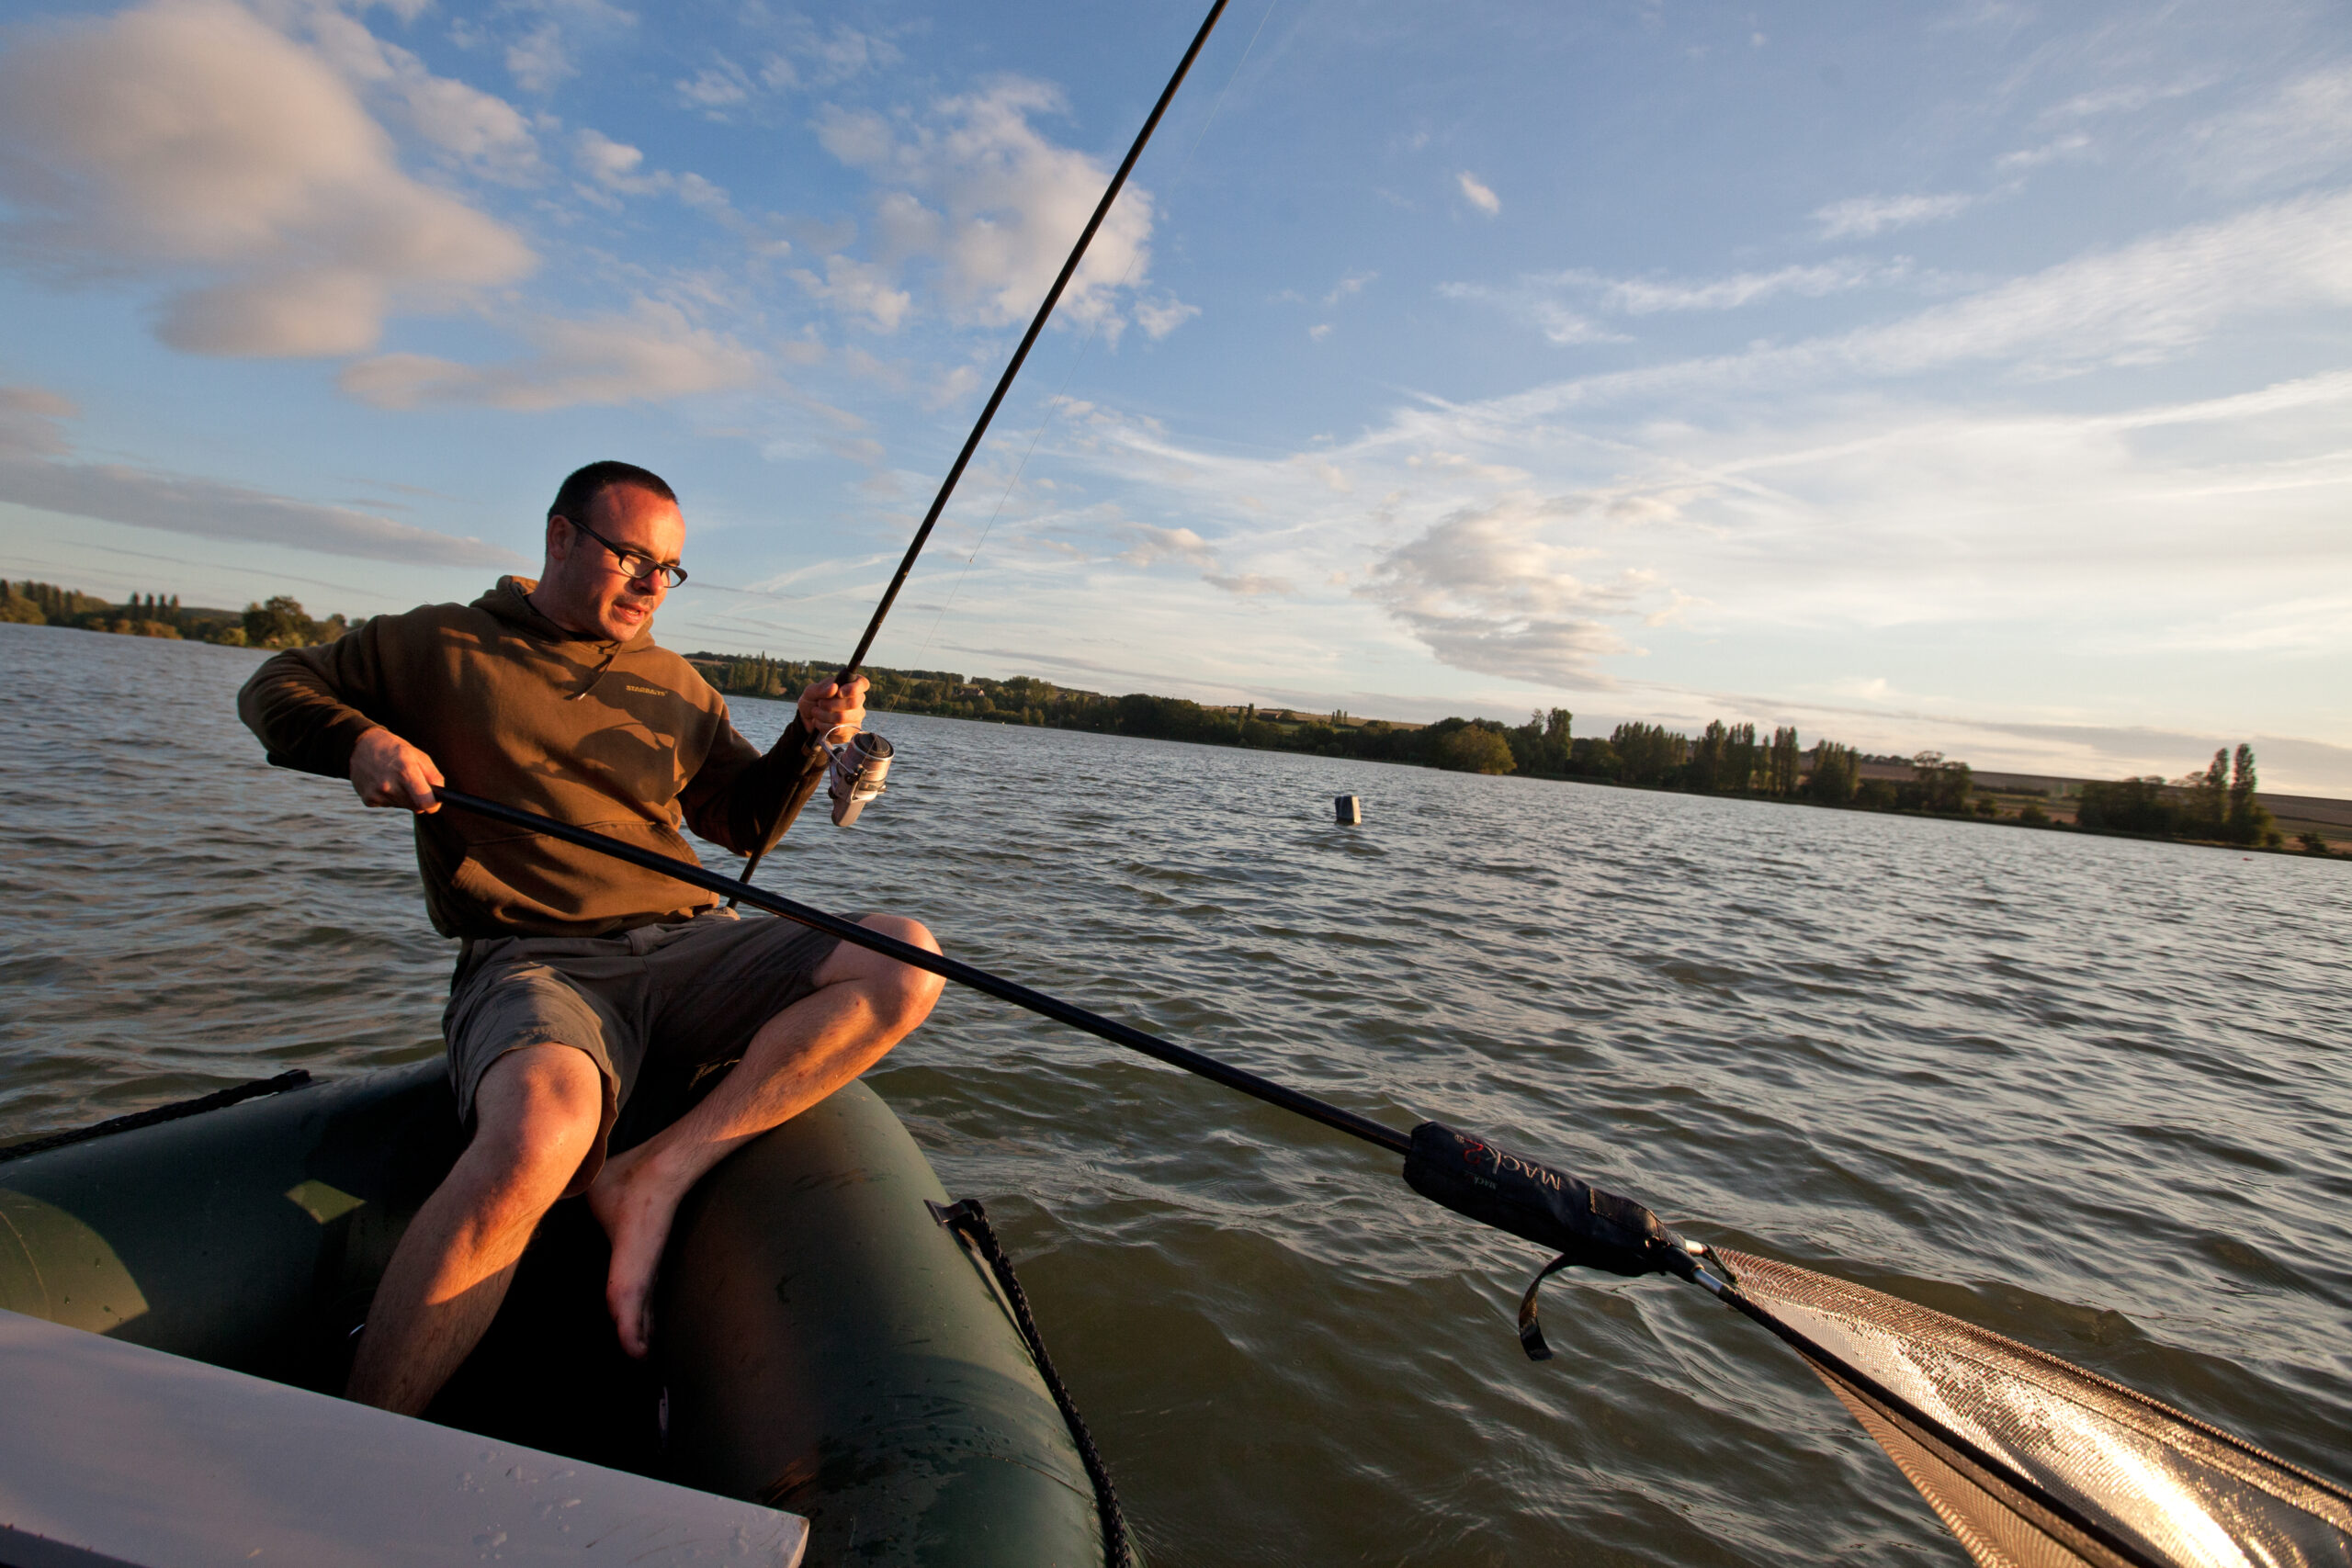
(859, 765)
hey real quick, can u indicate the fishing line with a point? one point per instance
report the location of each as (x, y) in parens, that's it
(1054, 405)
(820, 761)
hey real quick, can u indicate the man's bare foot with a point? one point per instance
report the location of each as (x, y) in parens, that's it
(635, 1209)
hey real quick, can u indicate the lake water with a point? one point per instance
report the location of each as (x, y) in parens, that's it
(2090, 1093)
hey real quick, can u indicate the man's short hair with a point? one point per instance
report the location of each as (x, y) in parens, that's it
(586, 485)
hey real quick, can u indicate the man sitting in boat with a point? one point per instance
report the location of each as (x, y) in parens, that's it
(588, 992)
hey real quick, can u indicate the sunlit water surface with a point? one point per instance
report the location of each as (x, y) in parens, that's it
(2091, 1093)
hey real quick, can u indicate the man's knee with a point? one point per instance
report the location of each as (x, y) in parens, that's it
(908, 991)
(536, 1114)
(912, 932)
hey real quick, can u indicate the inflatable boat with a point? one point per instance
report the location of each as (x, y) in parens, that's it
(830, 1343)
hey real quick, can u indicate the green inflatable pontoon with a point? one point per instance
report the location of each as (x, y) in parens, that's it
(824, 1346)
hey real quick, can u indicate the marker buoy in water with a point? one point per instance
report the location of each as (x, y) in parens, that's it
(1349, 809)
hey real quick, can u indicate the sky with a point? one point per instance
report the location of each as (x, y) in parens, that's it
(1974, 377)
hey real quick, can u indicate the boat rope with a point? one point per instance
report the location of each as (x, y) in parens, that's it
(968, 1219)
(295, 1078)
(806, 785)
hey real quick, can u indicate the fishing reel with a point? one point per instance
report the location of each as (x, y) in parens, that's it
(856, 774)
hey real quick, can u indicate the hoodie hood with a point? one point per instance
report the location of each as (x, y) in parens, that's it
(509, 601)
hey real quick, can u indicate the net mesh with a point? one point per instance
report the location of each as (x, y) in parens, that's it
(2032, 1462)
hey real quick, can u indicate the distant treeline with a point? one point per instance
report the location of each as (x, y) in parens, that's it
(272, 623)
(1722, 759)
(2217, 805)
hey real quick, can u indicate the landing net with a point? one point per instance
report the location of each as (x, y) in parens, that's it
(2035, 1463)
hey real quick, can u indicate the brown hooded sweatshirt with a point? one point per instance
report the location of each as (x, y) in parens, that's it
(622, 738)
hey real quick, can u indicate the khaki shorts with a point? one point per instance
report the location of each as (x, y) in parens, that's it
(655, 1007)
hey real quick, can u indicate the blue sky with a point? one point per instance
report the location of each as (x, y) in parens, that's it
(1972, 377)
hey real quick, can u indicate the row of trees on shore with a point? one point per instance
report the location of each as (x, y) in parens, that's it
(2217, 805)
(1722, 759)
(277, 622)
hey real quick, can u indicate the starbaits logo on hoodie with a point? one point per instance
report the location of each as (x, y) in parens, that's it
(648, 691)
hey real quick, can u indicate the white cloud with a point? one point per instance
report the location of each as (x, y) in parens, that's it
(700, 193)
(1676, 610)
(29, 419)
(185, 138)
(1476, 193)
(842, 54)
(2134, 305)
(1168, 544)
(1540, 307)
(812, 59)
(36, 471)
(952, 385)
(2163, 526)
(716, 87)
(1249, 584)
(2297, 132)
(1484, 591)
(1333, 477)
(1539, 298)
(2124, 99)
(543, 57)
(859, 138)
(616, 169)
(1794, 487)
(1152, 545)
(1157, 318)
(1566, 327)
(616, 165)
(486, 133)
(650, 354)
(478, 131)
(858, 288)
(539, 61)
(992, 207)
(1643, 297)
(1863, 215)
(2068, 146)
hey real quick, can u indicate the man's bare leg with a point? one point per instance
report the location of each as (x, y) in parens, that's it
(536, 1115)
(863, 1005)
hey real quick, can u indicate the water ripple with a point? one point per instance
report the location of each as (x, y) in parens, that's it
(2089, 1093)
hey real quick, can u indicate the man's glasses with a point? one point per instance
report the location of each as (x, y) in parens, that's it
(636, 565)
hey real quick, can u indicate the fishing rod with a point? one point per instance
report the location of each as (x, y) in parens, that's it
(859, 764)
(2024, 1457)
